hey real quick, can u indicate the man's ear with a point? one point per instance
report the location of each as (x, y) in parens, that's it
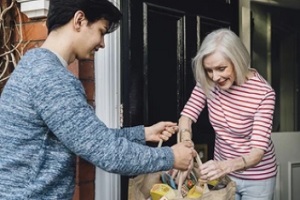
(78, 18)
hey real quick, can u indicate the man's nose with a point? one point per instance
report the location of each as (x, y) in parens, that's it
(102, 44)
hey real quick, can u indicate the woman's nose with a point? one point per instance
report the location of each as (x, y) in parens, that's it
(215, 76)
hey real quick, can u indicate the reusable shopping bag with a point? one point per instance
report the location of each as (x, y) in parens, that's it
(141, 186)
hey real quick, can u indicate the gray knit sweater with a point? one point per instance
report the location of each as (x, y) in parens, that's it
(45, 121)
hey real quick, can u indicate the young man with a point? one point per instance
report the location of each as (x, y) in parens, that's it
(46, 121)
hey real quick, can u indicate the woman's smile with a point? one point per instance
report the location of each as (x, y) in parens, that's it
(219, 70)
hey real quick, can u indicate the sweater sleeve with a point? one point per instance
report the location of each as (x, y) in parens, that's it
(60, 100)
(195, 104)
(133, 134)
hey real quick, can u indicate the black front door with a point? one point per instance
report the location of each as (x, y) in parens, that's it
(159, 39)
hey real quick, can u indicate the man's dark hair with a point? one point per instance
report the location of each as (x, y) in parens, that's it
(62, 11)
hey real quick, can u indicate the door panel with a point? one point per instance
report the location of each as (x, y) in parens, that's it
(159, 40)
(163, 56)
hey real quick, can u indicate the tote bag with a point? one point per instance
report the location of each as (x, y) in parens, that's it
(140, 186)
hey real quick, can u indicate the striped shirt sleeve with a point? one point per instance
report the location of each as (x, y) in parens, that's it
(195, 104)
(262, 123)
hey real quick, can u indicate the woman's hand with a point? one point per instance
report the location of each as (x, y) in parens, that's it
(160, 131)
(212, 170)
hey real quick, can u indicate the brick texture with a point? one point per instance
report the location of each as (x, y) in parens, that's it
(34, 32)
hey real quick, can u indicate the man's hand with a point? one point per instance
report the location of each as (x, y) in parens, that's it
(160, 131)
(184, 154)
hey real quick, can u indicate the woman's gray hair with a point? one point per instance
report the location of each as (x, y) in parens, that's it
(229, 44)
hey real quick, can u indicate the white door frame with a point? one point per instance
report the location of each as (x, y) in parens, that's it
(107, 99)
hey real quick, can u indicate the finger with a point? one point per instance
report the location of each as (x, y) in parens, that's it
(203, 178)
(204, 171)
(170, 124)
(188, 143)
(194, 153)
(171, 129)
(176, 128)
(207, 176)
(164, 138)
(202, 181)
(212, 173)
(206, 165)
(167, 133)
(211, 177)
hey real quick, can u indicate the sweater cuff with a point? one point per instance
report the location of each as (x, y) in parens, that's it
(167, 157)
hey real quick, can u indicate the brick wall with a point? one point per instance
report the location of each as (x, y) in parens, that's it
(33, 34)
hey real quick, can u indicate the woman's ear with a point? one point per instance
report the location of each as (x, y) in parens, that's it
(78, 19)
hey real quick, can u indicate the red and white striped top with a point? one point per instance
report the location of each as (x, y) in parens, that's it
(242, 119)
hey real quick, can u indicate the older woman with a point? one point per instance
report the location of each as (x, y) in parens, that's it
(241, 105)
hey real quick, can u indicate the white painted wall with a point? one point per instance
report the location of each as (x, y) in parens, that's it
(245, 22)
(287, 148)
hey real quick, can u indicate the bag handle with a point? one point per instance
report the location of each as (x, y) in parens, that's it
(182, 174)
(160, 143)
(198, 160)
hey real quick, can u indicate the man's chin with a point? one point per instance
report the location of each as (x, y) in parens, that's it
(87, 57)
